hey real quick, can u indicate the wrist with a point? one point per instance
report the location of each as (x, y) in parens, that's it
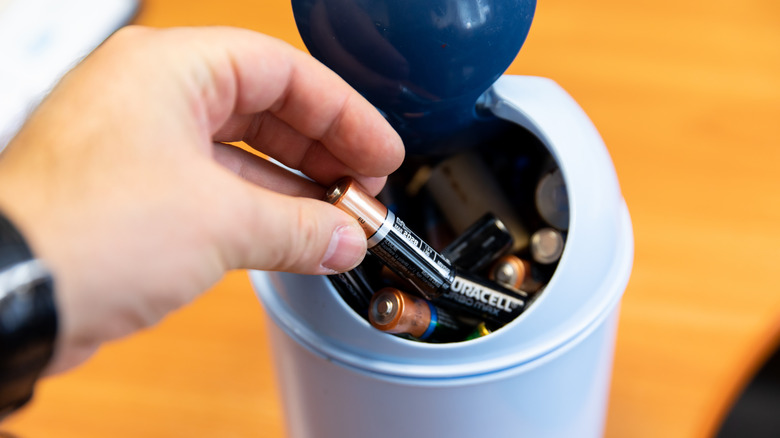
(28, 319)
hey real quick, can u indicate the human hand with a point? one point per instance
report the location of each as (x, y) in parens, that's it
(118, 184)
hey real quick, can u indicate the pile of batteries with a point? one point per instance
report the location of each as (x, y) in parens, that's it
(494, 223)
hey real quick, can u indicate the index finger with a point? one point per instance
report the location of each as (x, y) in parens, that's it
(260, 89)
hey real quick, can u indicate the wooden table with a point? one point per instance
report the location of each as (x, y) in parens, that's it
(687, 98)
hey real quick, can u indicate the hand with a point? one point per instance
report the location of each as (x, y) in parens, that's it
(121, 186)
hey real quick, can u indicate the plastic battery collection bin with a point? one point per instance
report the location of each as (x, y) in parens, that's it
(545, 374)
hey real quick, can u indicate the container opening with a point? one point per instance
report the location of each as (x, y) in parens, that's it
(497, 209)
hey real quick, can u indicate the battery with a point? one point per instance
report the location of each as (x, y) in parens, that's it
(510, 270)
(464, 188)
(547, 245)
(482, 243)
(427, 271)
(552, 200)
(353, 288)
(480, 331)
(394, 311)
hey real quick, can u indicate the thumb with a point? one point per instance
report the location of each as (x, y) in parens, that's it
(301, 235)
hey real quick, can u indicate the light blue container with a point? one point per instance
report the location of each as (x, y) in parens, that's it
(546, 374)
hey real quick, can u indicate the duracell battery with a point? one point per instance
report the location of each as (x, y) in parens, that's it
(394, 311)
(464, 188)
(482, 243)
(430, 273)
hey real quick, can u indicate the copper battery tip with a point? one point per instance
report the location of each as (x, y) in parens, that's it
(336, 190)
(393, 311)
(349, 196)
(510, 270)
(385, 309)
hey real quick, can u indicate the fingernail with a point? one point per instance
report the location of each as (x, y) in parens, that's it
(346, 249)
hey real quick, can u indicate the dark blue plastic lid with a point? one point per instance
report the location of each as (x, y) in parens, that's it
(424, 63)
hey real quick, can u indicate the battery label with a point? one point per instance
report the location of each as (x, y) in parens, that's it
(439, 260)
(412, 258)
(352, 288)
(483, 300)
(446, 321)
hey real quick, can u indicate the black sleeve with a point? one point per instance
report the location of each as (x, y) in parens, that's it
(28, 318)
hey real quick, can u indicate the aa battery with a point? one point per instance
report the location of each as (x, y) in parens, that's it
(465, 189)
(481, 244)
(483, 298)
(394, 311)
(353, 288)
(430, 273)
(391, 240)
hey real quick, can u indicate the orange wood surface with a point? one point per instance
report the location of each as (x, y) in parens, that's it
(686, 94)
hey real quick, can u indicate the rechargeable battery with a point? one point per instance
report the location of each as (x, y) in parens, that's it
(394, 311)
(430, 273)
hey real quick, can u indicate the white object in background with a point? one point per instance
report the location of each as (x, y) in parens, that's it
(40, 40)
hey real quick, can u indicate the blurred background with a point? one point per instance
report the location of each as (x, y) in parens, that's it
(686, 95)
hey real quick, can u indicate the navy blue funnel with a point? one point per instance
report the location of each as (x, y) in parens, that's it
(424, 63)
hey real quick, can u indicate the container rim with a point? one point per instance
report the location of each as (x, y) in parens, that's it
(334, 351)
(596, 262)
